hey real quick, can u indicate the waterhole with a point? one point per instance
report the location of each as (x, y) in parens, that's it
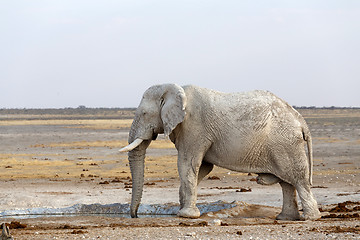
(115, 210)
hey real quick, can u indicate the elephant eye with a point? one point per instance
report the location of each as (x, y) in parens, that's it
(162, 101)
(143, 112)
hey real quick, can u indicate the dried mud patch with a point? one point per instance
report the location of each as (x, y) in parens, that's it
(337, 229)
(344, 210)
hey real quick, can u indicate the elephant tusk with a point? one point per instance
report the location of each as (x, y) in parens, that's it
(132, 145)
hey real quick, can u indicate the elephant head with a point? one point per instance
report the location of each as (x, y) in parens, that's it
(161, 109)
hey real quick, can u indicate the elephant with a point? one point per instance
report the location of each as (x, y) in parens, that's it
(250, 132)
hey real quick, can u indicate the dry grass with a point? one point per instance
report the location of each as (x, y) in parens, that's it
(330, 113)
(58, 167)
(105, 124)
(69, 165)
(161, 144)
(162, 166)
(336, 140)
(29, 166)
(332, 117)
(328, 172)
(158, 144)
(328, 139)
(89, 124)
(15, 166)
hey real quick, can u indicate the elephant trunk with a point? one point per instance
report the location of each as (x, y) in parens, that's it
(136, 161)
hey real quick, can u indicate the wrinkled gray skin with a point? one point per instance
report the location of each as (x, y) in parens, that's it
(252, 132)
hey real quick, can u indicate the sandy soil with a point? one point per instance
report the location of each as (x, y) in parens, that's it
(48, 161)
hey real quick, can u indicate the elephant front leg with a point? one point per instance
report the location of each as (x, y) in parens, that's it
(204, 170)
(188, 172)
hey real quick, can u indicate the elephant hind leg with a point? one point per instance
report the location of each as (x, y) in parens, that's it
(309, 204)
(290, 208)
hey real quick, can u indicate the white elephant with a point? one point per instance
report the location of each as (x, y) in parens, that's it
(252, 132)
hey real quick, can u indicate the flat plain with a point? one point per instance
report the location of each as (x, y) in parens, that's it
(57, 158)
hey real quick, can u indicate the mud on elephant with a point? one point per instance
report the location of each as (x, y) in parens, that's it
(252, 132)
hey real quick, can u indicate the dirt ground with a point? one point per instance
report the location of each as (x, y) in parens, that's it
(56, 159)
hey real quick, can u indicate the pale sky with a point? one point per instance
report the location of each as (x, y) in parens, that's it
(66, 53)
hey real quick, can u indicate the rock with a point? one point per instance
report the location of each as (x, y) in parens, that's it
(215, 222)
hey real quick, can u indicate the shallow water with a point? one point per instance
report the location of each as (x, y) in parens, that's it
(115, 210)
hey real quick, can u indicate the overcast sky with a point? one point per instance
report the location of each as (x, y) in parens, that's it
(63, 53)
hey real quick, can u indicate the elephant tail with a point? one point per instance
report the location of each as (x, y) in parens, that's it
(307, 138)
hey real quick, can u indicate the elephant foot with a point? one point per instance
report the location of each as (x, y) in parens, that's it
(189, 212)
(289, 216)
(313, 215)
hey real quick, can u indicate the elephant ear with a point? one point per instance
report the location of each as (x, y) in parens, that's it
(173, 107)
